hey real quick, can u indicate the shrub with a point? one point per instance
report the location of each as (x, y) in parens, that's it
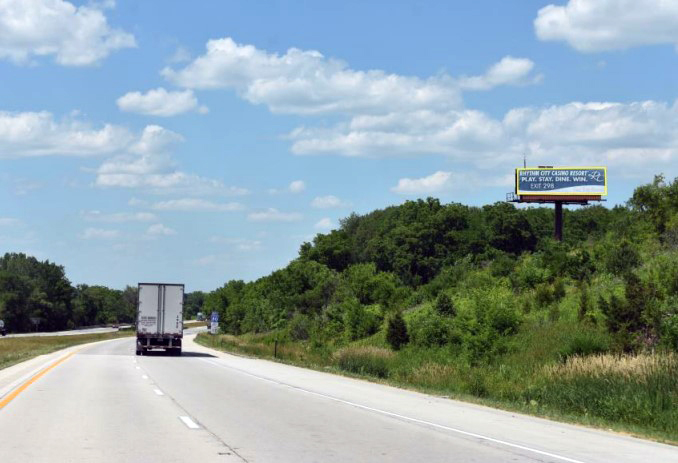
(503, 319)
(637, 313)
(502, 266)
(558, 290)
(396, 331)
(543, 296)
(359, 322)
(527, 274)
(584, 303)
(445, 306)
(428, 329)
(622, 258)
(581, 266)
(300, 327)
(364, 360)
(554, 313)
(585, 343)
(670, 332)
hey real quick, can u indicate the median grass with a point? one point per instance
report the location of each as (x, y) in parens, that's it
(194, 324)
(15, 350)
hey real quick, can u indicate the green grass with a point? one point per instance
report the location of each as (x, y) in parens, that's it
(365, 360)
(541, 374)
(639, 390)
(15, 350)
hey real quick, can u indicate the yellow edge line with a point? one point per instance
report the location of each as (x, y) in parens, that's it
(11, 396)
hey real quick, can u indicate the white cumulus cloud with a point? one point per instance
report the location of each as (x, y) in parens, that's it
(99, 234)
(508, 71)
(118, 217)
(593, 133)
(324, 224)
(206, 260)
(443, 182)
(148, 164)
(160, 102)
(599, 25)
(24, 134)
(195, 204)
(307, 82)
(273, 215)
(434, 183)
(297, 186)
(159, 229)
(74, 35)
(454, 133)
(240, 244)
(328, 202)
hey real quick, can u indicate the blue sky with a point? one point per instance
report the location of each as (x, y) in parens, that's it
(205, 142)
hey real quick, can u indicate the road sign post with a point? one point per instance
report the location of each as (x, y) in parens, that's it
(214, 323)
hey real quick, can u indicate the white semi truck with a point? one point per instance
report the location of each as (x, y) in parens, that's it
(160, 317)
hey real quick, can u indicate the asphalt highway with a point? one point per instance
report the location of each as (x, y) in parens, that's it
(102, 403)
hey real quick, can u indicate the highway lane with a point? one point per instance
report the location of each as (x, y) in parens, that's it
(105, 404)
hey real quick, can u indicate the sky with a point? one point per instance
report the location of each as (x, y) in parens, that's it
(199, 142)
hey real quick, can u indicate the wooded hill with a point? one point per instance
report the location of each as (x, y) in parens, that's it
(470, 276)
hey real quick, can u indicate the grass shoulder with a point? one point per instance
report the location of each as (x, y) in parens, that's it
(635, 395)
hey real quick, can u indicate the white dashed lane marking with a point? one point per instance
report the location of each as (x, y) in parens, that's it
(189, 422)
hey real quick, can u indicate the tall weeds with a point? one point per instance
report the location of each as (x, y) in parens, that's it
(635, 389)
(365, 360)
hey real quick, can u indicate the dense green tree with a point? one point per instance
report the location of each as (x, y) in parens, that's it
(35, 290)
(396, 331)
(621, 258)
(194, 304)
(656, 202)
(445, 305)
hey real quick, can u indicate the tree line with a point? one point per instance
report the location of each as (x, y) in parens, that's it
(37, 295)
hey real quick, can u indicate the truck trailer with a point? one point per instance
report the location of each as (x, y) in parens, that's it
(160, 317)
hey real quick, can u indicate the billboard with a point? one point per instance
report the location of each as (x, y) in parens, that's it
(561, 181)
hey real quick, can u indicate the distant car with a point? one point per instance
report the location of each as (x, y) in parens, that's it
(3, 330)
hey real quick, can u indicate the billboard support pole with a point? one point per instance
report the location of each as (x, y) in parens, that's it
(558, 231)
(559, 186)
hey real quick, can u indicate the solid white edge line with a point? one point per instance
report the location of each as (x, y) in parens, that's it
(403, 417)
(158, 392)
(189, 422)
